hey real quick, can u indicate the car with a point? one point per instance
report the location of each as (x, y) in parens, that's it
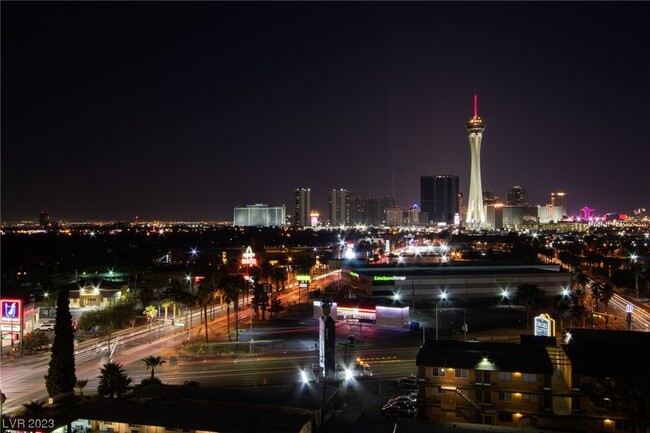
(45, 327)
(409, 382)
(351, 339)
(406, 397)
(398, 409)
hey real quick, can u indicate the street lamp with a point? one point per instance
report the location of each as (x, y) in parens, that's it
(633, 258)
(443, 296)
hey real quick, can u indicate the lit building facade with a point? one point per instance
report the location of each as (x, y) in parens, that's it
(261, 215)
(303, 207)
(339, 204)
(475, 212)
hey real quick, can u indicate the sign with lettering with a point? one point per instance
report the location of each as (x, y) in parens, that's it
(12, 310)
(388, 278)
(544, 325)
(301, 277)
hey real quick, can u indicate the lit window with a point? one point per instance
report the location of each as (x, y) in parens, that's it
(439, 372)
(505, 376)
(461, 373)
(528, 377)
(505, 396)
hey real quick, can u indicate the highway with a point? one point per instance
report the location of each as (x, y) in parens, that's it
(279, 352)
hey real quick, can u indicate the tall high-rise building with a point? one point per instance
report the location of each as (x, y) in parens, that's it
(439, 197)
(517, 196)
(44, 219)
(369, 210)
(339, 204)
(259, 214)
(558, 204)
(475, 128)
(303, 207)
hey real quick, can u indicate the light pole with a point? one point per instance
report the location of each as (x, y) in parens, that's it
(633, 258)
(443, 296)
(251, 332)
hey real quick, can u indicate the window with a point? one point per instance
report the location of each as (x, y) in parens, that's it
(505, 376)
(529, 398)
(505, 396)
(527, 377)
(461, 373)
(439, 372)
(505, 416)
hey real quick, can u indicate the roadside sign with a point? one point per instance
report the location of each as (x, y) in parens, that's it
(267, 288)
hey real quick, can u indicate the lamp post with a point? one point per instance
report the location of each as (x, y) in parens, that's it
(443, 296)
(633, 258)
(251, 331)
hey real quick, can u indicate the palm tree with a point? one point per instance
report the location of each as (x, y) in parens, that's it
(204, 297)
(280, 277)
(531, 297)
(113, 380)
(81, 384)
(153, 362)
(34, 409)
(562, 304)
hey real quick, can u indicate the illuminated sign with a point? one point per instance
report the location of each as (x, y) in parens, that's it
(388, 278)
(544, 326)
(248, 258)
(303, 277)
(354, 274)
(387, 246)
(12, 310)
(303, 285)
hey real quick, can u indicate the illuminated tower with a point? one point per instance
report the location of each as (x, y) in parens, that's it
(475, 212)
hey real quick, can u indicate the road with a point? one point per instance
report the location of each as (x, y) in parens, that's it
(279, 352)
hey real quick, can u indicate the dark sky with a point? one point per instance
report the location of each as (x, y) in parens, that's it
(181, 111)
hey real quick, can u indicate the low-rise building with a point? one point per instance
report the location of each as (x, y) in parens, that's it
(598, 381)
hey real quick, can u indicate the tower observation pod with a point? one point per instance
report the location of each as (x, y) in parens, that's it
(475, 212)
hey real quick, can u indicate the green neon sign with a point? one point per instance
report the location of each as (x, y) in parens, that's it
(388, 278)
(303, 277)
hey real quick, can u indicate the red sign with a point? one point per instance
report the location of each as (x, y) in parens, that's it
(12, 310)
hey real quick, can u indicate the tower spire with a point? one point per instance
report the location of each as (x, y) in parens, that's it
(475, 104)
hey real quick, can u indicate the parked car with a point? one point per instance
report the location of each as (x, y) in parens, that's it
(45, 327)
(406, 397)
(399, 408)
(352, 340)
(409, 382)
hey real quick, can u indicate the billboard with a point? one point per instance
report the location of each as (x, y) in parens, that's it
(12, 311)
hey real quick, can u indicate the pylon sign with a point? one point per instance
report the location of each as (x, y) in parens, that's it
(544, 325)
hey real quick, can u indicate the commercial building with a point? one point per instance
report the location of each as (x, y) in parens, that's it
(439, 197)
(339, 204)
(455, 284)
(303, 207)
(261, 215)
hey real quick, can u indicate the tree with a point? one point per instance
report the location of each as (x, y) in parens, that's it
(60, 377)
(205, 295)
(276, 308)
(34, 409)
(35, 340)
(562, 304)
(113, 380)
(531, 297)
(81, 384)
(153, 362)
(280, 277)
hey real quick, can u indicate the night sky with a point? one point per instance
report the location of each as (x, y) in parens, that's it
(182, 111)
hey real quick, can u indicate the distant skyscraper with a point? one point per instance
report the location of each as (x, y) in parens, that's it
(339, 207)
(475, 128)
(558, 205)
(44, 219)
(261, 215)
(303, 207)
(439, 197)
(369, 210)
(517, 196)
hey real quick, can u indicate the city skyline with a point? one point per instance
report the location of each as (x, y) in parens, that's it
(198, 108)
